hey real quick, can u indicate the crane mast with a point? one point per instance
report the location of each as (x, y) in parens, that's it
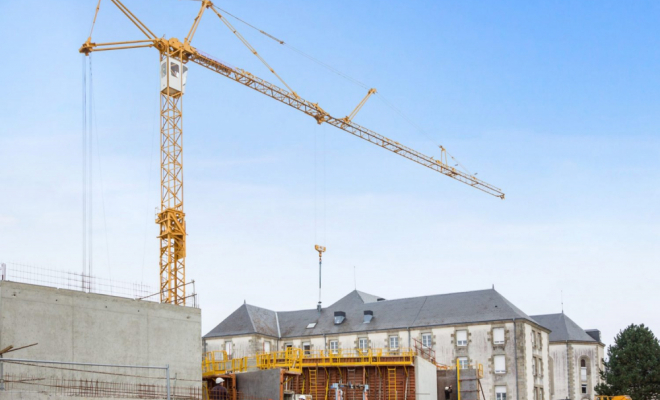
(173, 58)
(171, 218)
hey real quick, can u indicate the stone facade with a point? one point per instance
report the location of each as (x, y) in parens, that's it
(514, 362)
(575, 358)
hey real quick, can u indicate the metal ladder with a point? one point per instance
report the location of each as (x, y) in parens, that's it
(312, 382)
(391, 383)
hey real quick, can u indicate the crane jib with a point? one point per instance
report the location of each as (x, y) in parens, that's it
(317, 113)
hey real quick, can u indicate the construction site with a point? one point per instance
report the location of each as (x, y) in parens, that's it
(75, 335)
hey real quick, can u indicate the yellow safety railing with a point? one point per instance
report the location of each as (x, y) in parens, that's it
(294, 359)
(480, 374)
(217, 363)
(341, 357)
(289, 358)
(621, 397)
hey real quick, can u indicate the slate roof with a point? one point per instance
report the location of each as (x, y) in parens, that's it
(414, 312)
(245, 320)
(563, 328)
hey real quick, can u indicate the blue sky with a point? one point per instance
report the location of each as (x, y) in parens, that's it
(555, 102)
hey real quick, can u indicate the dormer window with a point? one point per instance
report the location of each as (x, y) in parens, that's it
(311, 325)
(368, 316)
(340, 316)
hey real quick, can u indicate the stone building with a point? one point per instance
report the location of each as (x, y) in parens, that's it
(576, 357)
(471, 328)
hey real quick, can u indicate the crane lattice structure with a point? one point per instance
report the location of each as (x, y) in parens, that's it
(174, 55)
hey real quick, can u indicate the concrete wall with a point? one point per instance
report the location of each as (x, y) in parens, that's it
(264, 384)
(91, 328)
(426, 380)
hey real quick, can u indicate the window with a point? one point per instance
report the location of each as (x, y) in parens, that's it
(228, 348)
(534, 373)
(536, 393)
(533, 339)
(266, 347)
(583, 370)
(462, 362)
(540, 393)
(498, 337)
(288, 346)
(540, 341)
(307, 348)
(334, 346)
(394, 342)
(584, 388)
(311, 325)
(363, 343)
(500, 392)
(427, 340)
(461, 338)
(500, 364)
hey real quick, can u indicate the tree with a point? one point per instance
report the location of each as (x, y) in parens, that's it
(633, 365)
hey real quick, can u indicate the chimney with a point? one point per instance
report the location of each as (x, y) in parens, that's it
(594, 333)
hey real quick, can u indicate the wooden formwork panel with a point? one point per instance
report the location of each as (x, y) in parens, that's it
(385, 383)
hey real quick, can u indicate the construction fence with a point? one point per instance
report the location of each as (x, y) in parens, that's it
(95, 380)
(23, 273)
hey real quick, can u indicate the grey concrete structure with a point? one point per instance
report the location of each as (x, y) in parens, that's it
(575, 359)
(81, 327)
(265, 384)
(426, 376)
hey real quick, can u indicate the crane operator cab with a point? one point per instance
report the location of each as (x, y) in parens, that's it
(173, 74)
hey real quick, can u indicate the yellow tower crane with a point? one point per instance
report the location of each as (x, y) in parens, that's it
(174, 55)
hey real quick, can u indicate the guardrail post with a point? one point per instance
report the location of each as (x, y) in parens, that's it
(167, 378)
(2, 365)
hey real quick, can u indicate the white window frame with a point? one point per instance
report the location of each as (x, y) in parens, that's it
(585, 388)
(334, 346)
(496, 332)
(363, 344)
(307, 351)
(533, 339)
(499, 357)
(427, 340)
(266, 347)
(462, 342)
(500, 392)
(393, 343)
(229, 348)
(463, 362)
(534, 363)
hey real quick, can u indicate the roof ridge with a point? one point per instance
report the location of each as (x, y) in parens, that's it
(441, 294)
(254, 328)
